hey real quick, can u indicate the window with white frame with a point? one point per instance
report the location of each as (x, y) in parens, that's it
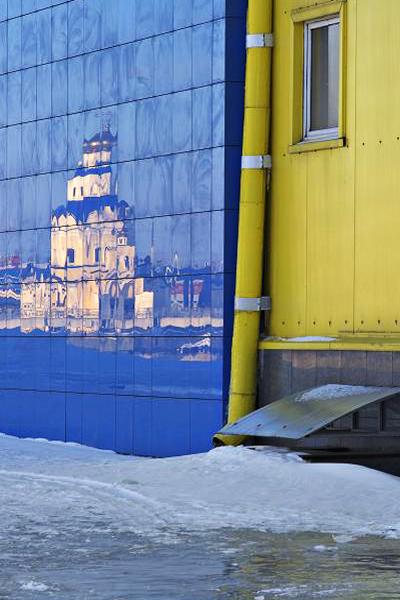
(321, 79)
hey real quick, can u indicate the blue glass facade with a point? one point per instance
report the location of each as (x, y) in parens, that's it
(120, 143)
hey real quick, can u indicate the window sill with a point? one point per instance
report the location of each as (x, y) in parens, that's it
(317, 145)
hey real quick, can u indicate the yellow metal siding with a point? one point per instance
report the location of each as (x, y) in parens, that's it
(335, 213)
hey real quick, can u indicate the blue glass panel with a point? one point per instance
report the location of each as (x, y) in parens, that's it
(201, 242)
(171, 427)
(50, 415)
(127, 73)
(57, 363)
(218, 115)
(126, 184)
(181, 235)
(29, 94)
(162, 243)
(98, 421)
(202, 54)
(59, 88)
(28, 203)
(183, 11)
(44, 91)
(3, 153)
(59, 143)
(142, 366)
(202, 178)
(144, 128)
(29, 34)
(59, 48)
(58, 189)
(74, 365)
(75, 28)
(13, 205)
(202, 110)
(182, 59)
(218, 51)
(163, 16)
(14, 97)
(44, 36)
(202, 11)
(3, 47)
(92, 25)
(14, 8)
(92, 80)
(43, 199)
(73, 417)
(218, 178)
(218, 380)
(10, 410)
(3, 10)
(142, 427)
(44, 156)
(75, 84)
(27, 420)
(14, 158)
(126, 20)
(109, 76)
(124, 362)
(3, 219)
(206, 418)
(163, 125)
(14, 268)
(163, 64)
(144, 241)
(124, 424)
(144, 18)
(110, 23)
(75, 138)
(144, 61)
(182, 121)
(182, 182)
(107, 366)
(126, 126)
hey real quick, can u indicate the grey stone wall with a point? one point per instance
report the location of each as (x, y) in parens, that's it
(285, 372)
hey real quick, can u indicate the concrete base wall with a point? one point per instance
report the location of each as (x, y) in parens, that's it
(284, 372)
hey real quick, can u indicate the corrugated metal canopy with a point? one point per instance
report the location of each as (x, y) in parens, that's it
(300, 414)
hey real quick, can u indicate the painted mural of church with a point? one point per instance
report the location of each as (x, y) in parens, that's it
(90, 284)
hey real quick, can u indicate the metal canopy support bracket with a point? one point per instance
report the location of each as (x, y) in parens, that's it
(257, 162)
(260, 40)
(253, 304)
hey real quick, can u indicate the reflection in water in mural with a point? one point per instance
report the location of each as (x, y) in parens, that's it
(93, 283)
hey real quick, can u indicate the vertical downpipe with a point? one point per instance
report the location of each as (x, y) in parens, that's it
(253, 188)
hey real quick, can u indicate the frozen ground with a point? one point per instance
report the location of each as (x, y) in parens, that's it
(231, 524)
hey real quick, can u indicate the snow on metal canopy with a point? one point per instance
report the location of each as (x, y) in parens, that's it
(300, 414)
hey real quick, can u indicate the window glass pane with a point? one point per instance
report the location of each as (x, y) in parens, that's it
(325, 77)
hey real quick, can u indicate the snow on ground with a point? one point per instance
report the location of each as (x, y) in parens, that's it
(58, 485)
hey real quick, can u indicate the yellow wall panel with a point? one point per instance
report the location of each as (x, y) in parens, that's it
(377, 210)
(334, 229)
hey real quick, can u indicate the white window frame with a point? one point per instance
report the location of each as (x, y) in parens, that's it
(314, 135)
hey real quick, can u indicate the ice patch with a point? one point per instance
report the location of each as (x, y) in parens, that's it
(332, 391)
(34, 586)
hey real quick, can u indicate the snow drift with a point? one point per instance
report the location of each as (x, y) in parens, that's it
(64, 485)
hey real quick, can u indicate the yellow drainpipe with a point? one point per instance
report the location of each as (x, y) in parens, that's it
(253, 187)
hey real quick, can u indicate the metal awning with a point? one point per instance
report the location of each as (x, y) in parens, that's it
(300, 414)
